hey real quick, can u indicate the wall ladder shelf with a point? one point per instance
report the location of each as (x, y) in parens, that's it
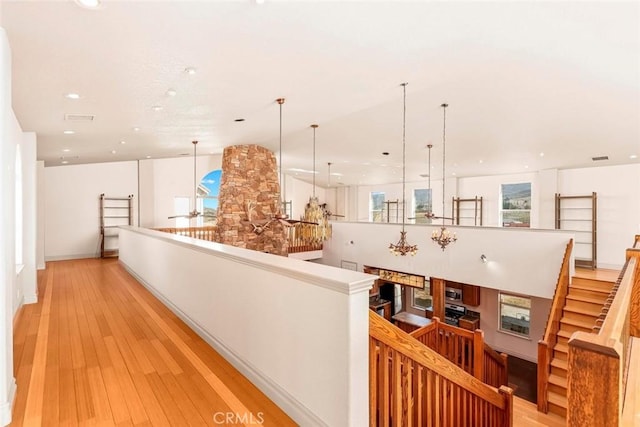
(459, 206)
(114, 212)
(579, 214)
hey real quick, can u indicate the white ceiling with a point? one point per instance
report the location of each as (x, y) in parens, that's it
(521, 78)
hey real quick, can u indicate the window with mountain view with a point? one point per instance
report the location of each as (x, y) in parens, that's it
(516, 205)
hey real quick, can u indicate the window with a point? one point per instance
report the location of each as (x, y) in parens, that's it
(207, 202)
(181, 207)
(421, 205)
(515, 314)
(376, 206)
(421, 298)
(516, 205)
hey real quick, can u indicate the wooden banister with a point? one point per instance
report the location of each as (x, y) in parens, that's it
(466, 349)
(411, 384)
(550, 337)
(598, 363)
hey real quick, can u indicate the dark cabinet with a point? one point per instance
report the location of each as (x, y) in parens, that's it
(470, 323)
(471, 295)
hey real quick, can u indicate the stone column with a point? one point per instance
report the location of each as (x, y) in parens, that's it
(249, 199)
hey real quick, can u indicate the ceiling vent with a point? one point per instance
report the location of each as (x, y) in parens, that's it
(424, 175)
(79, 117)
(597, 159)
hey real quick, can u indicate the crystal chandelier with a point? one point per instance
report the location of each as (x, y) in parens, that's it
(315, 227)
(443, 236)
(403, 247)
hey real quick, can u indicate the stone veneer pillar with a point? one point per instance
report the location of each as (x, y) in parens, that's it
(250, 175)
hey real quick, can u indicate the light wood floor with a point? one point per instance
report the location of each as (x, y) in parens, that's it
(525, 414)
(99, 349)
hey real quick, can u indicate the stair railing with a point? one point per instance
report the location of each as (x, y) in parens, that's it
(550, 337)
(598, 363)
(466, 349)
(410, 384)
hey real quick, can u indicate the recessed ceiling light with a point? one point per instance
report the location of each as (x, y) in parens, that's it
(190, 70)
(89, 4)
(113, 151)
(135, 129)
(453, 173)
(385, 153)
(633, 156)
(72, 95)
(526, 166)
(69, 132)
(541, 154)
(64, 162)
(171, 92)
(480, 161)
(148, 157)
(157, 107)
(239, 120)
(259, 1)
(123, 142)
(66, 150)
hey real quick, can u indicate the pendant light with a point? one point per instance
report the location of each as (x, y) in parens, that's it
(316, 228)
(429, 213)
(280, 214)
(443, 236)
(402, 247)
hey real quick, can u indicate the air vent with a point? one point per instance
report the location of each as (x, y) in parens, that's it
(599, 158)
(424, 175)
(79, 117)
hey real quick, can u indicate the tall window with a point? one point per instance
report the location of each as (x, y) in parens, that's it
(421, 205)
(421, 298)
(376, 206)
(515, 314)
(18, 207)
(516, 205)
(208, 192)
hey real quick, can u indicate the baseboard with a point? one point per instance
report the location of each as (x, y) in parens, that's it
(18, 314)
(69, 257)
(289, 404)
(41, 267)
(6, 408)
(30, 299)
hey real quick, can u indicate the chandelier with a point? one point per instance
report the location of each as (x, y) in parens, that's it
(403, 247)
(443, 236)
(315, 227)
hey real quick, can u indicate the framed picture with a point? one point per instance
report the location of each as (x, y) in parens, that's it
(348, 265)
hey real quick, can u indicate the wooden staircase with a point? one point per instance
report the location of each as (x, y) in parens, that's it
(582, 306)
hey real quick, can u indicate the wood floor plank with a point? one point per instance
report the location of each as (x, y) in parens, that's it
(99, 349)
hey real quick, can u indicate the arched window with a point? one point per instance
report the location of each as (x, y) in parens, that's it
(208, 191)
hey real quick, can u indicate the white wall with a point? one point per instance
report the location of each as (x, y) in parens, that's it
(72, 228)
(299, 192)
(618, 189)
(41, 214)
(28, 276)
(163, 179)
(306, 348)
(522, 261)
(9, 135)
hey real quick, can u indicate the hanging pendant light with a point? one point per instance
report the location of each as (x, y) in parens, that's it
(280, 213)
(316, 227)
(403, 247)
(443, 236)
(429, 213)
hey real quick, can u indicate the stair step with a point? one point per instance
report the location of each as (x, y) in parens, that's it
(598, 300)
(557, 404)
(591, 285)
(592, 310)
(564, 334)
(560, 364)
(557, 380)
(562, 348)
(586, 326)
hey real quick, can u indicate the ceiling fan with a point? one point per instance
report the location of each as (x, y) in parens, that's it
(194, 213)
(429, 214)
(262, 225)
